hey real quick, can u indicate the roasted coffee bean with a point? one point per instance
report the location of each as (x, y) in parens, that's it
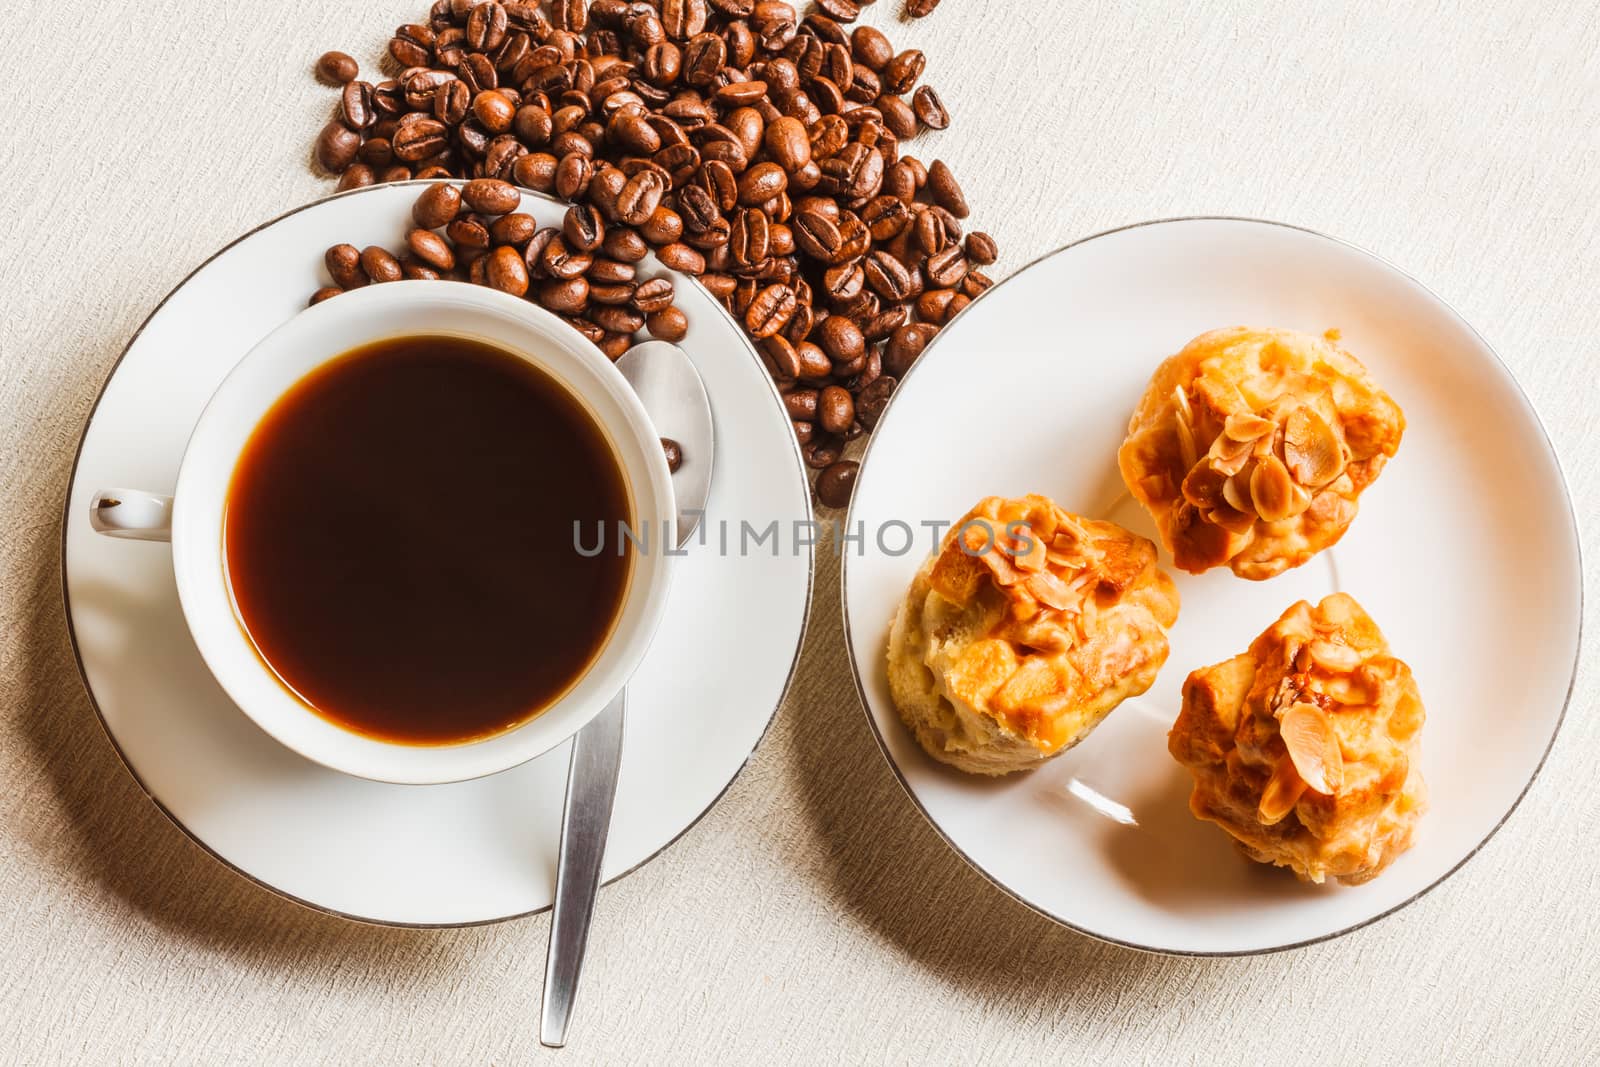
(355, 176)
(836, 409)
(836, 482)
(337, 146)
(451, 103)
(536, 170)
(946, 191)
(975, 283)
(841, 10)
(811, 361)
(615, 344)
(344, 266)
(564, 297)
(905, 345)
(583, 228)
(468, 233)
(929, 109)
(902, 72)
(770, 311)
(336, 68)
(843, 283)
(802, 404)
(419, 140)
(934, 305)
(822, 451)
(624, 245)
(640, 197)
(610, 272)
(897, 115)
(653, 295)
(532, 124)
(780, 357)
(841, 339)
(573, 175)
(516, 229)
(379, 264)
(761, 183)
(662, 227)
(355, 106)
(477, 73)
(918, 9)
(506, 271)
(749, 238)
(486, 26)
(668, 325)
(673, 451)
(682, 257)
(431, 249)
(415, 270)
(888, 277)
(490, 196)
(611, 294)
(946, 269)
(376, 152)
(493, 110)
(873, 398)
(870, 48)
(437, 205)
(327, 292)
(616, 319)
(559, 261)
(412, 45)
(981, 248)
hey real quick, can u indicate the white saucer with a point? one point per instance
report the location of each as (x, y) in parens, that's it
(1465, 552)
(417, 855)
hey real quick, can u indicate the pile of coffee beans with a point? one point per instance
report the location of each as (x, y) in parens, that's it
(584, 271)
(748, 146)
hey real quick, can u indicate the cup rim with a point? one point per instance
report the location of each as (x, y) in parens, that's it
(283, 358)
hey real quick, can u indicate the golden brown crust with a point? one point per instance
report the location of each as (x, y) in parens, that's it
(1251, 447)
(1024, 631)
(1304, 749)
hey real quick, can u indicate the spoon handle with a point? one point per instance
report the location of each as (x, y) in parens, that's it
(585, 822)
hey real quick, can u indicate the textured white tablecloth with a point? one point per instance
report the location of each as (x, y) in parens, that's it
(812, 916)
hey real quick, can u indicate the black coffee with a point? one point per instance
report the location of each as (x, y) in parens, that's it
(399, 539)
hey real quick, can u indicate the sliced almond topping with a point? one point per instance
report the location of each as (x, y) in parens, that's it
(1332, 657)
(1229, 456)
(1203, 486)
(1051, 591)
(1236, 491)
(1313, 746)
(1180, 400)
(1032, 553)
(1282, 793)
(1246, 426)
(999, 565)
(1235, 522)
(1311, 448)
(1188, 452)
(1272, 491)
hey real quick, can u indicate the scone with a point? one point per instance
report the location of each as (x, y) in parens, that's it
(1304, 748)
(1250, 448)
(1024, 631)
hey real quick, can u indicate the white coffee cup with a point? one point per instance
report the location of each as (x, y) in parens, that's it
(192, 518)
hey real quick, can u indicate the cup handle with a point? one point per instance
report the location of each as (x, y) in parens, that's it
(131, 514)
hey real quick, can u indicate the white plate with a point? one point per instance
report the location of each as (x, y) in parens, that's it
(418, 855)
(1465, 552)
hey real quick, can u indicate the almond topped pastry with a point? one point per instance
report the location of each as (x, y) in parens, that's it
(1250, 448)
(1304, 749)
(1024, 631)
